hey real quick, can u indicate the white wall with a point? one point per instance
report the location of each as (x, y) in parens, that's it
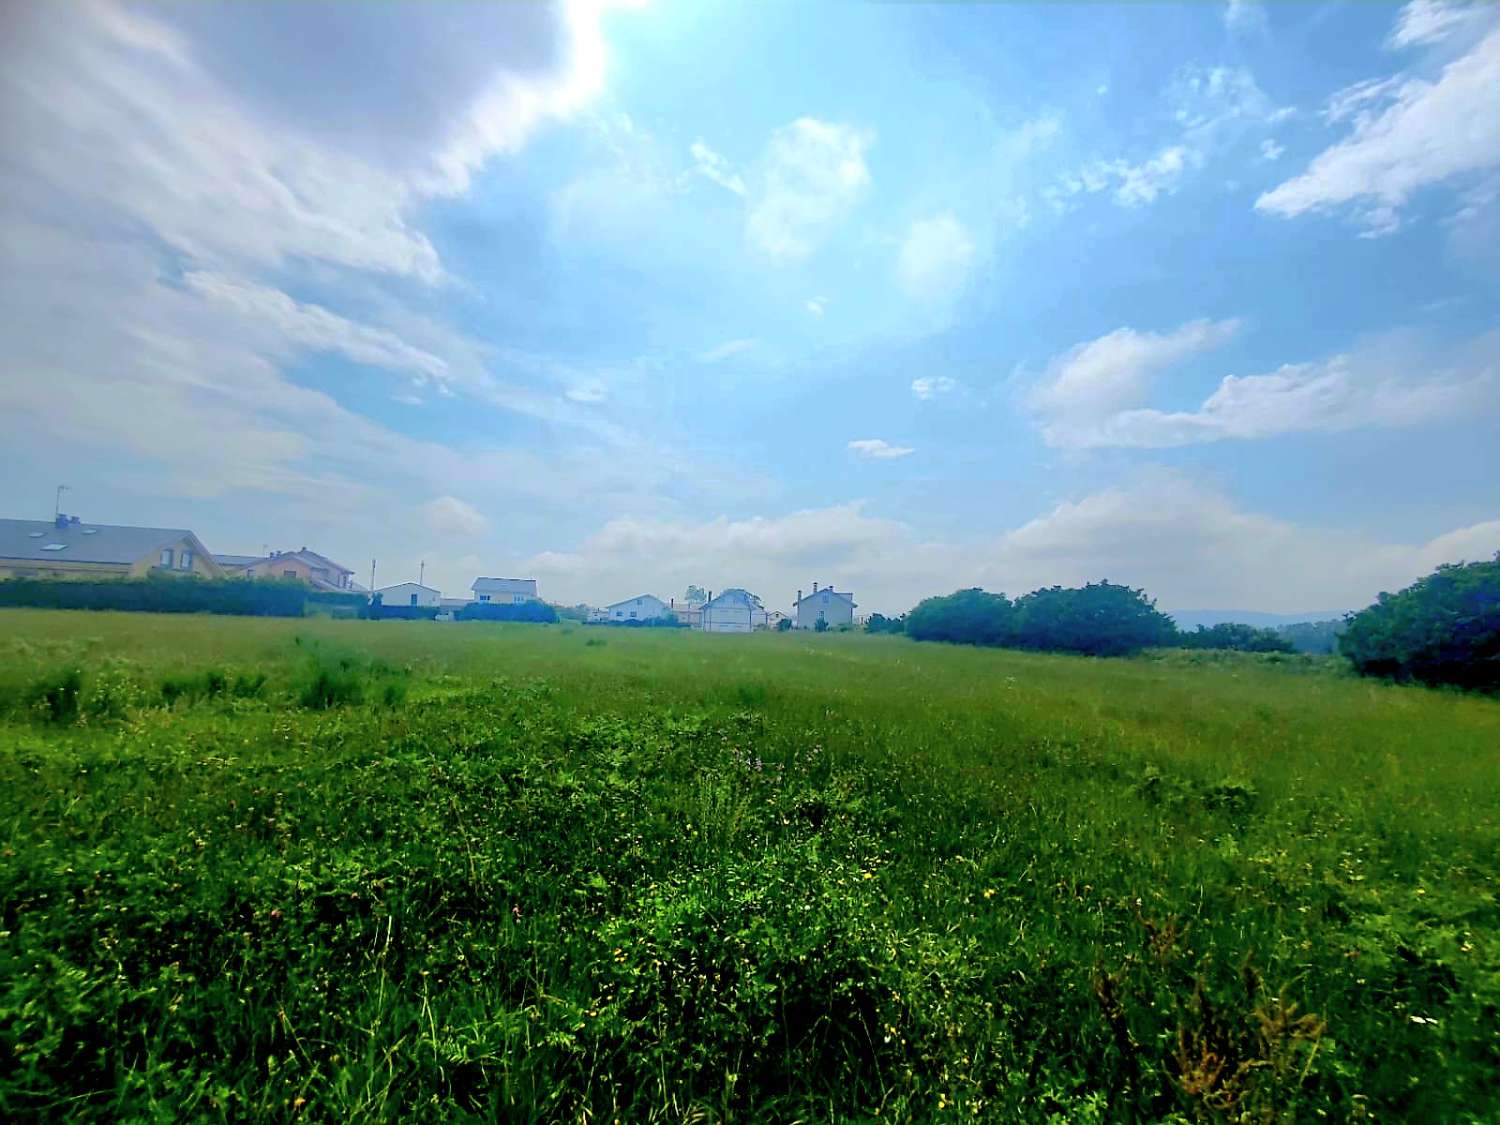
(833, 609)
(400, 594)
(647, 607)
(732, 618)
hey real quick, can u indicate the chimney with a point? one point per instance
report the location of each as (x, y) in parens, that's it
(815, 587)
(799, 597)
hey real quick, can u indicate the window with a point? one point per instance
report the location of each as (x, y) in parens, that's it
(414, 599)
(55, 547)
(289, 574)
(632, 615)
(484, 597)
(185, 560)
(166, 556)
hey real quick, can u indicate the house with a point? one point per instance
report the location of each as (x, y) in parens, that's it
(454, 603)
(410, 593)
(733, 611)
(316, 570)
(66, 547)
(826, 604)
(647, 607)
(774, 619)
(505, 591)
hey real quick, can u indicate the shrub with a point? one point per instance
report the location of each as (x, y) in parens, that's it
(971, 617)
(1100, 619)
(1313, 636)
(1442, 629)
(1236, 638)
(880, 623)
(538, 612)
(160, 594)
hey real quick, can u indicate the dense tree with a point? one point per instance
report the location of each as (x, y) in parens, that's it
(1100, 619)
(972, 617)
(880, 623)
(1239, 638)
(695, 594)
(1442, 629)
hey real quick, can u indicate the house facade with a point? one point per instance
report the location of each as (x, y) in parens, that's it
(66, 547)
(301, 565)
(733, 611)
(505, 591)
(827, 604)
(647, 607)
(409, 593)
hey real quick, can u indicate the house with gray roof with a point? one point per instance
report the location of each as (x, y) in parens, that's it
(66, 547)
(733, 611)
(832, 606)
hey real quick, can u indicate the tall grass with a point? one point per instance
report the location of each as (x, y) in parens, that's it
(732, 878)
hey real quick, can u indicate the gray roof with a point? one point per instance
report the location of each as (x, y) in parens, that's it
(504, 586)
(825, 590)
(736, 596)
(398, 585)
(634, 600)
(84, 542)
(237, 560)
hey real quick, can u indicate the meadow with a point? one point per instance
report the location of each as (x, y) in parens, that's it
(260, 869)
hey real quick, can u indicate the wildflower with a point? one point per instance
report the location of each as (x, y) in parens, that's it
(989, 892)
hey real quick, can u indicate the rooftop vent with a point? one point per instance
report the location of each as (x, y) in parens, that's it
(91, 531)
(36, 534)
(55, 547)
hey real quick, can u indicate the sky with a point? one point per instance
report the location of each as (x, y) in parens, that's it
(902, 299)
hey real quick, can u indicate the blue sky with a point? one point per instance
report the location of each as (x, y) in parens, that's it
(1204, 298)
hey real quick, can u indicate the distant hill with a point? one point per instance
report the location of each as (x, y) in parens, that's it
(1192, 618)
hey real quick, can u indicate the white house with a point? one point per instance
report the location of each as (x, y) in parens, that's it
(829, 604)
(409, 593)
(733, 611)
(647, 607)
(505, 591)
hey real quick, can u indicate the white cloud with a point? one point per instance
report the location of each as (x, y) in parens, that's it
(448, 515)
(1407, 135)
(812, 175)
(1093, 396)
(714, 167)
(878, 449)
(727, 350)
(589, 392)
(1270, 150)
(1245, 17)
(816, 305)
(936, 259)
(930, 386)
(1423, 23)
(1187, 544)
(311, 326)
(1212, 109)
(1087, 385)
(1191, 547)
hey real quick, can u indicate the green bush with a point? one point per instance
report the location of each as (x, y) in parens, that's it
(161, 594)
(1100, 619)
(1236, 638)
(1442, 629)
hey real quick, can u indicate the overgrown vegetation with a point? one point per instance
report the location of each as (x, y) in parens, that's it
(1100, 619)
(690, 877)
(172, 594)
(1442, 629)
(1235, 638)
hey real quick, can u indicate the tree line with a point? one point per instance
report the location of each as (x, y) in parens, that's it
(1443, 629)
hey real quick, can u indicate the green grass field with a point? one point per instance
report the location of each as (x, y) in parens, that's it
(326, 870)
